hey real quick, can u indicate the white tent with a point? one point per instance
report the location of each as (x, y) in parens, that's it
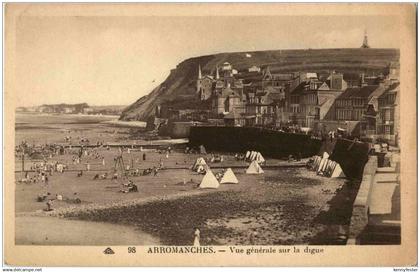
(317, 161)
(199, 162)
(229, 177)
(322, 164)
(338, 172)
(325, 166)
(209, 181)
(254, 168)
(248, 153)
(330, 168)
(260, 159)
(325, 155)
(252, 155)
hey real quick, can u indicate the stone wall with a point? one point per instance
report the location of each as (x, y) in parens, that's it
(359, 219)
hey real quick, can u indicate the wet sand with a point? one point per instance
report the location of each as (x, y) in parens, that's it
(43, 230)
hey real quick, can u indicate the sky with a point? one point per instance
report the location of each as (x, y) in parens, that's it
(116, 60)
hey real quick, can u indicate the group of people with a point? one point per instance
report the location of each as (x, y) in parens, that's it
(42, 171)
(129, 187)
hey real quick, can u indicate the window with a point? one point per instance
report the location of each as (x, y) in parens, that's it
(343, 114)
(386, 115)
(344, 103)
(391, 98)
(358, 102)
(358, 113)
(295, 109)
(295, 99)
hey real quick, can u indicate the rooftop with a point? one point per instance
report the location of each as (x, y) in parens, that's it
(361, 92)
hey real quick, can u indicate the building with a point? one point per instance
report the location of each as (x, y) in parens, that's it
(388, 124)
(265, 107)
(311, 101)
(233, 119)
(224, 91)
(204, 85)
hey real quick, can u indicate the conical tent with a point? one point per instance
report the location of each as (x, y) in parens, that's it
(229, 177)
(209, 181)
(254, 168)
(338, 172)
(199, 162)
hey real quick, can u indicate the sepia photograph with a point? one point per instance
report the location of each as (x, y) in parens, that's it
(172, 131)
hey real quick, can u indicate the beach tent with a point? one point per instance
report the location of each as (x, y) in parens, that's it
(253, 155)
(199, 162)
(254, 168)
(325, 155)
(325, 166)
(248, 153)
(330, 168)
(322, 164)
(209, 181)
(338, 172)
(317, 161)
(260, 159)
(229, 177)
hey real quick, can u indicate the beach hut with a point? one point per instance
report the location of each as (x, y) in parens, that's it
(209, 181)
(229, 177)
(254, 168)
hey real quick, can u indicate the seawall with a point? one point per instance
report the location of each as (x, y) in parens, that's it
(271, 143)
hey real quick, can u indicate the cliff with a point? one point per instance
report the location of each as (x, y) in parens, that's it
(179, 88)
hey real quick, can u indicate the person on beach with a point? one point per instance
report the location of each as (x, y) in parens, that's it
(144, 156)
(49, 205)
(196, 238)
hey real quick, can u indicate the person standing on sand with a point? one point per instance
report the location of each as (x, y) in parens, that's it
(49, 205)
(196, 237)
(144, 156)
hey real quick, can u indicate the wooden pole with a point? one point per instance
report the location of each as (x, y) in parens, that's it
(23, 163)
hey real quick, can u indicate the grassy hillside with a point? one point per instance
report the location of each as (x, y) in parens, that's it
(179, 88)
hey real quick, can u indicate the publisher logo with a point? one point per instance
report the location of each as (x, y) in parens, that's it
(109, 251)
